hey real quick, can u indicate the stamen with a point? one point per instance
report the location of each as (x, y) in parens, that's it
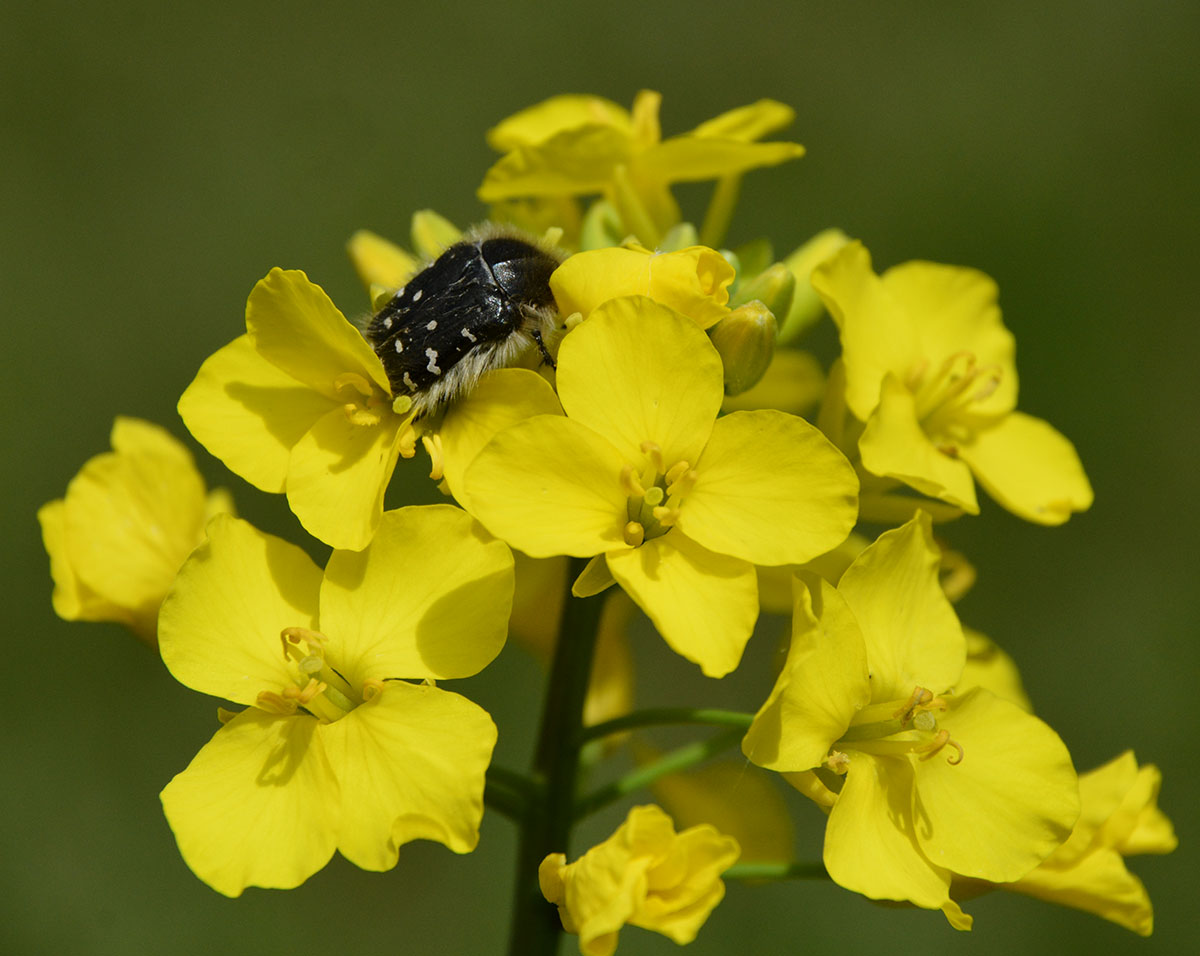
(437, 461)
(274, 703)
(355, 382)
(656, 456)
(676, 471)
(918, 697)
(665, 516)
(936, 745)
(630, 484)
(634, 534)
(838, 762)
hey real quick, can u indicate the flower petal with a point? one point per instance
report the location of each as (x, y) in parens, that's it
(955, 310)
(257, 806)
(693, 281)
(870, 838)
(747, 123)
(411, 764)
(249, 414)
(771, 490)
(912, 634)
(429, 598)
(878, 334)
(535, 124)
(337, 475)
(379, 262)
(1030, 468)
(220, 623)
(824, 682)
(550, 486)
(296, 327)
(73, 600)
(895, 446)
(569, 163)
(501, 398)
(637, 371)
(686, 159)
(1011, 801)
(703, 604)
(131, 518)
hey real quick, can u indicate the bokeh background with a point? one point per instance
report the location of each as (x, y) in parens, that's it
(156, 160)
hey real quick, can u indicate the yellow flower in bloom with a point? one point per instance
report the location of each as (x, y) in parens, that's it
(335, 750)
(929, 370)
(676, 504)
(582, 145)
(694, 281)
(1119, 818)
(129, 519)
(921, 784)
(301, 404)
(645, 875)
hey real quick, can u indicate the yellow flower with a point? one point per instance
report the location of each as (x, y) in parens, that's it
(920, 783)
(645, 875)
(334, 750)
(128, 520)
(676, 505)
(301, 404)
(694, 281)
(929, 371)
(1119, 818)
(582, 145)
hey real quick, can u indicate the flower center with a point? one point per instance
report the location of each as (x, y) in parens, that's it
(364, 403)
(317, 687)
(944, 398)
(896, 728)
(655, 493)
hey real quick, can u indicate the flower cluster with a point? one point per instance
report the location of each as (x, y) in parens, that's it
(618, 413)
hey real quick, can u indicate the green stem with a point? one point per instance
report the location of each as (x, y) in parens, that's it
(776, 871)
(720, 210)
(682, 758)
(667, 715)
(509, 793)
(546, 828)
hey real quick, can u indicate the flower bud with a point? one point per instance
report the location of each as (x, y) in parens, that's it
(746, 340)
(773, 287)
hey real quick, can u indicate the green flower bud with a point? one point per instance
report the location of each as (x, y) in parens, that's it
(746, 340)
(773, 287)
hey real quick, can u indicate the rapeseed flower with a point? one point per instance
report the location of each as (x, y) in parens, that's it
(1119, 818)
(128, 520)
(301, 404)
(673, 503)
(336, 749)
(644, 875)
(586, 145)
(920, 783)
(930, 375)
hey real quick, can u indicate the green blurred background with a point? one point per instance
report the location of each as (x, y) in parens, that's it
(157, 161)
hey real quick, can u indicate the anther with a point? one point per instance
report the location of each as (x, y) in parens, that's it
(665, 516)
(656, 456)
(630, 484)
(634, 534)
(935, 746)
(676, 471)
(437, 461)
(919, 697)
(838, 762)
(682, 484)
